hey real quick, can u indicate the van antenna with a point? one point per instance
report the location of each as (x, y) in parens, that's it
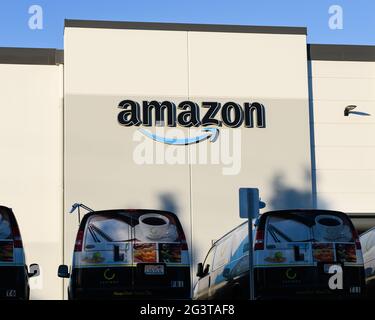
(78, 206)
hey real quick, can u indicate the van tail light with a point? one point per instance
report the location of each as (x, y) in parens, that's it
(356, 239)
(182, 240)
(184, 246)
(79, 241)
(17, 240)
(259, 240)
(358, 244)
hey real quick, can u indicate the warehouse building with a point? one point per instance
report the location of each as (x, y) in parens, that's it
(179, 117)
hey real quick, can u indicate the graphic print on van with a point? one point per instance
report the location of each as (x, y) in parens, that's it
(129, 253)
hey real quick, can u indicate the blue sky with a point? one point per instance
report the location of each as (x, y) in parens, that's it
(358, 17)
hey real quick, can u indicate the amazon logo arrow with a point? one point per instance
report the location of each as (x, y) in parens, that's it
(210, 134)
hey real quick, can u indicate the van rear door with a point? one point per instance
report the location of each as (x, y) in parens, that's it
(286, 258)
(127, 253)
(103, 263)
(302, 249)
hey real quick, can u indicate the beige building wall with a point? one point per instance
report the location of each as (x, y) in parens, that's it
(344, 146)
(104, 66)
(31, 103)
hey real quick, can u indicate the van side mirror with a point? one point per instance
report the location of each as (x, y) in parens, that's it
(63, 271)
(200, 272)
(34, 270)
(205, 270)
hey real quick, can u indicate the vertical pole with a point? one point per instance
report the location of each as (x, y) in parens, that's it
(249, 208)
(251, 259)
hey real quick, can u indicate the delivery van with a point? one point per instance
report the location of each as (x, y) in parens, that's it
(129, 254)
(14, 274)
(296, 254)
(368, 249)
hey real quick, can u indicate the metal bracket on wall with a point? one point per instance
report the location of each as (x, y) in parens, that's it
(348, 109)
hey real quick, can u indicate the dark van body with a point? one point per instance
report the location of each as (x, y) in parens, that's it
(14, 275)
(294, 253)
(368, 249)
(129, 254)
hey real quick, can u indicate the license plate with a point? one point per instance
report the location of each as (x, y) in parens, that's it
(154, 270)
(11, 293)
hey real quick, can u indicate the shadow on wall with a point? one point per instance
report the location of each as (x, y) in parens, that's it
(168, 202)
(287, 197)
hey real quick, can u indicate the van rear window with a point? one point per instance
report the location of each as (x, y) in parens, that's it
(122, 227)
(5, 226)
(6, 238)
(100, 229)
(308, 227)
(131, 237)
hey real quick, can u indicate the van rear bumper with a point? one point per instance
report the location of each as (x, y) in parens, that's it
(13, 293)
(307, 283)
(129, 294)
(129, 283)
(13, 283)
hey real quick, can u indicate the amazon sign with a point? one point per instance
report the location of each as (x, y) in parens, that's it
(189, 114)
